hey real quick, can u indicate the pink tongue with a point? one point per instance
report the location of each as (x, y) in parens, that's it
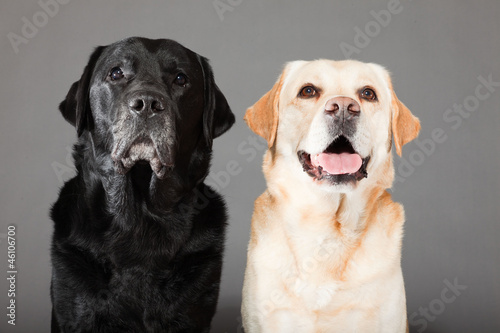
(337, 164)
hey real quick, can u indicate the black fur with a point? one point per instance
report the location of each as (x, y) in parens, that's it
(139, 249)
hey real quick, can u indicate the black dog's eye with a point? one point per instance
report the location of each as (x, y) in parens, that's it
(180, 80)
(116, 73)
(369, 94)
(308, 92)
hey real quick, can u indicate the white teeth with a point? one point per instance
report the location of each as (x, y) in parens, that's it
(316, 159)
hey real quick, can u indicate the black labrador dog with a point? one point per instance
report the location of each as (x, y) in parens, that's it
(139, 238)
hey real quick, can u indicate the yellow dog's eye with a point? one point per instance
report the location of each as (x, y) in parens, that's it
(308, 92)
(369, 94)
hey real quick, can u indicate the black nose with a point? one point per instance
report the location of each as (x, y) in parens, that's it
(142, 102)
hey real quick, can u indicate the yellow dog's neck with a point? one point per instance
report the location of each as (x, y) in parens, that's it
(311, 205)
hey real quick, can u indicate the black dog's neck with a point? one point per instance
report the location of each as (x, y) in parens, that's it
(139, 208)
(137, 192)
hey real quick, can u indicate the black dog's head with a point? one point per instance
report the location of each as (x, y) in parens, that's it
(145, 101)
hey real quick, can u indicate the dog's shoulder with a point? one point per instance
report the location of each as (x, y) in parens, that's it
(66, 208)
(385, 212)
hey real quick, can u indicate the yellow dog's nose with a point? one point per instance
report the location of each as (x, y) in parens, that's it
(341, 105)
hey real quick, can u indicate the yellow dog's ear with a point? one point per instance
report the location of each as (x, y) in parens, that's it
(405, 126)
(262, 117)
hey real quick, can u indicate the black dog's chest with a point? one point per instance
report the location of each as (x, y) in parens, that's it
(137, 286)
(144, 295)
(145, 279)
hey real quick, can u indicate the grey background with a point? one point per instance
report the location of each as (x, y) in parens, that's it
(435, 50)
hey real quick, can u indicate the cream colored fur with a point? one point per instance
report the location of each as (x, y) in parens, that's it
(321, 257)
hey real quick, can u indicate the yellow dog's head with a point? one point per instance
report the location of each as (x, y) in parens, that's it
(332, 122)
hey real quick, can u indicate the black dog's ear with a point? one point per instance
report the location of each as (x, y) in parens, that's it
(76, 107)
(217, 116)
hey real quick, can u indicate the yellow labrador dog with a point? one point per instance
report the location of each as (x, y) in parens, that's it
(325, 246)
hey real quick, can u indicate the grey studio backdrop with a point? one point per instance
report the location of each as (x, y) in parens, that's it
(444, 58)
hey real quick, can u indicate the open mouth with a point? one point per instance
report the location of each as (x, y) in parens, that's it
(142, 151)
(338, 164)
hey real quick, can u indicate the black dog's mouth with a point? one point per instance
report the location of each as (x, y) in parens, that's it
(142, 151)
(338, 164)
